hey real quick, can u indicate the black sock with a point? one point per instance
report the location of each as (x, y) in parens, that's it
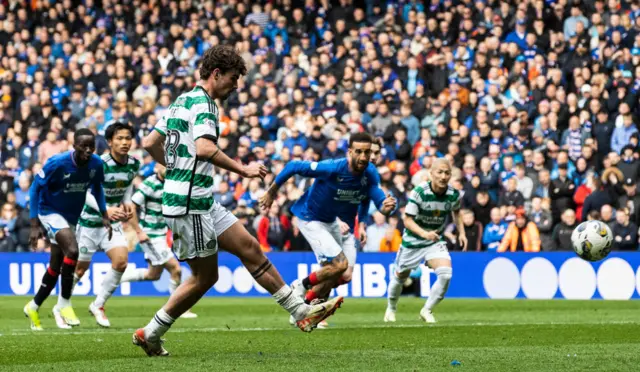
(49, 281)
(66, 274)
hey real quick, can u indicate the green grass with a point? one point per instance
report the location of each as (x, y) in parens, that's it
(254, 335)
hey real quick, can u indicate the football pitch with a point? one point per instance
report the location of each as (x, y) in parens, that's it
(254, 335)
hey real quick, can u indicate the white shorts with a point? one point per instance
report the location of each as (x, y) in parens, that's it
(93, 239)
(156, 251)
(410, 258)
(54, 223)
(327, 240)
(196, 235)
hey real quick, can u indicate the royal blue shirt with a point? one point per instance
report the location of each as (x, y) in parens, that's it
(336, 192)
(61, 187)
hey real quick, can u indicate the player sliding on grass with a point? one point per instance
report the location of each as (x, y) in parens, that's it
(57, 195)
(426, 216)
(153, 236)
(191, 130)
(339, 189)
(119, 171)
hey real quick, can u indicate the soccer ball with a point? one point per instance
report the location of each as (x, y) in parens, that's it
(592, 240)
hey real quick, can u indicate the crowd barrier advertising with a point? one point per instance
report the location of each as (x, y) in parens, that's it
(475, 275)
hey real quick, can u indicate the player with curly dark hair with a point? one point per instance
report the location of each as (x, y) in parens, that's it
(200, 225)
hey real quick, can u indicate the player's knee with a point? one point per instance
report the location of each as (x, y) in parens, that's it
(72, 251)
(444, 273)
(402, 275)
(119, 266)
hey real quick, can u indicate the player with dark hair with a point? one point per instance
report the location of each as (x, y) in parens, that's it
(200, 225)
(119, 171)
(339, 189)
(57, 195)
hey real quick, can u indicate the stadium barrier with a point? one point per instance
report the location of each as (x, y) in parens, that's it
(476, 275)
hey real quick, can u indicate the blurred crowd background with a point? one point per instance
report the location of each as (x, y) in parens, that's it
(536, 102)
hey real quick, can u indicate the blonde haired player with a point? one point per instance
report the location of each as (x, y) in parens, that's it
(426, 214)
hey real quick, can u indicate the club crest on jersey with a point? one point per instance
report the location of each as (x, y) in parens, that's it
(121, 184)
(447, 206)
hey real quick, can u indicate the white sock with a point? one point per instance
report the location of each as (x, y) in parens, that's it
(173, 285)
(440, 288)
(63, 302)
(109, 285)
(32, 305)
(158, 326)
(394, 292)
(133, 275)
(292, 303)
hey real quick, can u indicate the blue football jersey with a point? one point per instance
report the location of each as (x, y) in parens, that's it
(336, 192)
(61, 187)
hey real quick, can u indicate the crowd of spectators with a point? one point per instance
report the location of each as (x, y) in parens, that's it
(535, 102)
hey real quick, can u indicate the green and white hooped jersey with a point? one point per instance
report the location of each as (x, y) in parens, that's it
(148, 198)
(117, 188)
(188, 186)
(430, 212)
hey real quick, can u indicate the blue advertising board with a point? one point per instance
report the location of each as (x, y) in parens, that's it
(475, 275)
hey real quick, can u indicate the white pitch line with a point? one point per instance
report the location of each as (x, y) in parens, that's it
(22, 332)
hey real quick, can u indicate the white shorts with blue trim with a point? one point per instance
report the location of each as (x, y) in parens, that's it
(327, 241)
(53, 223)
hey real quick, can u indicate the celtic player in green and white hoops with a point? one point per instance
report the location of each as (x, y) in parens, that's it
(190, 132)
(119, 171)
(153, 238)
(425, 217)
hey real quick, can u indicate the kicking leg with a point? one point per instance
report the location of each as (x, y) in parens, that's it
(442, 267)
(119, 257)
(204, 276)
(49, 281)
(237, 241)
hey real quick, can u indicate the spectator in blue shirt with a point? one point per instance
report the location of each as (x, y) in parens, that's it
(494, 231)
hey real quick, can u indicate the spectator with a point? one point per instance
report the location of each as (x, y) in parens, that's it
(562, 190)
(511, 197)
(273, 230)
(541, 216)
(494, 231)
(522, 235)
(376, 232)
(625, 233)
(562, 232)
(391, 240)
(597, 199)
(631, 200)
(581, 194)
(472, 228)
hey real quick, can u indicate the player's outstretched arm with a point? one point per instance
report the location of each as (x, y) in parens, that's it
(321, 169)
(154, 145)
(207, 149)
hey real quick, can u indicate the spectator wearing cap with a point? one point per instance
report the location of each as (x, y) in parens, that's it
(629, 165)
(562, 232)
(519, 35)
(631, 199)
(625, 232)
(522, 235)
(561, 192)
